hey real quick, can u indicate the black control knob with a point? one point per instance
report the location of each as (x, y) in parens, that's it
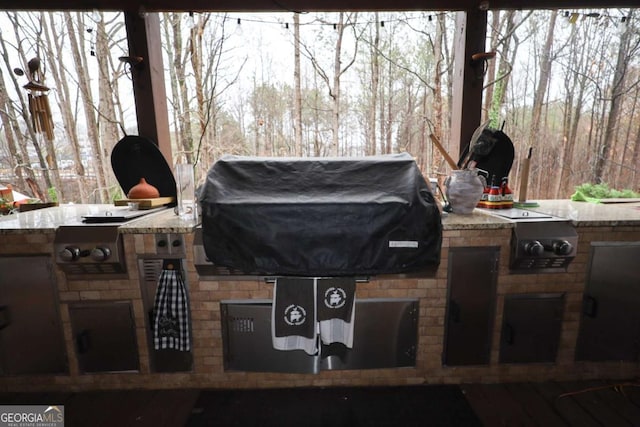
(534, 248)
(69, 253)
(100, 253)
(562, 247)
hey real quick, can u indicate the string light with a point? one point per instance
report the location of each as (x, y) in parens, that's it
(92, 42)
(382, 23)
(573, 16)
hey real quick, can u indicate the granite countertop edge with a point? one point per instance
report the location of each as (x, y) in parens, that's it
(580, 214)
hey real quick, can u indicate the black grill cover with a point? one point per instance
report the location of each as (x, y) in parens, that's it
(320, 216)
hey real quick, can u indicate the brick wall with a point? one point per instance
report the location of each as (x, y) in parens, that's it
(206, 295)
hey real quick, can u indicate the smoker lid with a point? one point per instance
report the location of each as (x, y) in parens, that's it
(135, 157)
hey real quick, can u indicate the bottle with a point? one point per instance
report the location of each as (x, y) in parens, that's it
(507, 194)
(495, 196)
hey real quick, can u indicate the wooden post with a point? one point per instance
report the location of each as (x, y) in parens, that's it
(144, 38)
(471, 27)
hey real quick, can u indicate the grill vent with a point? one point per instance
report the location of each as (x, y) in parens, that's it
(79, 269)
(241, 324)
(151, 269)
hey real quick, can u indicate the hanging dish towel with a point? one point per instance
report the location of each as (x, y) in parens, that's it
(171, 312)
(336, 309)
(293, 315)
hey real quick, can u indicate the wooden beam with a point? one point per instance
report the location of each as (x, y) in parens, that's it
(467, 77)
(145, 45)
(303, 5)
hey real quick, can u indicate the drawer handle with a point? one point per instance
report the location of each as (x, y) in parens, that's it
(5, 316)
(509, 334)
(590, 306)
(454, 311)
(83, 341)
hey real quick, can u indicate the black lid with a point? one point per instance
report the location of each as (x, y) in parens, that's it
(135, 157)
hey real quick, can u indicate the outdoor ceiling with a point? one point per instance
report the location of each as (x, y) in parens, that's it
(304, 5)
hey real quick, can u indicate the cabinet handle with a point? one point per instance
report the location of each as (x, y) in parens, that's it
(5, 316)
(83, 341)
(508, 334)
(151, 315)
(454, 311)
(590, 306)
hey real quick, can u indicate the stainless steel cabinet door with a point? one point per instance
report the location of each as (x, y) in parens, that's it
(31, 340)
(472, 277)
(610, 323)
(531, 325)
(385, 336)
(105, 336)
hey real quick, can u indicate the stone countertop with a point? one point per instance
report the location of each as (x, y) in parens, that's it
(584, 214)
(581, 214)
(476, 220)
(49, 219)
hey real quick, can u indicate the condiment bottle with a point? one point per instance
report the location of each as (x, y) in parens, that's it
(507, 194)
(495, 196)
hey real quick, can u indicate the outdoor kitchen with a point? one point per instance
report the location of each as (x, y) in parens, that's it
(495, 296)
(355, 222)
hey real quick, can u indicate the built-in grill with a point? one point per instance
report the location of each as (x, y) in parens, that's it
(540, 243)
(89, 250)
(207, 269)
(318, 217)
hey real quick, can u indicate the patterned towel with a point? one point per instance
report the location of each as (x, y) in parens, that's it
(336, 309)
(293, 315)
(171, 313)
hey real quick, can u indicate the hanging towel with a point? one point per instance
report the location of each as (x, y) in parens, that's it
(293, 315)
(171, 312)
(336, 309)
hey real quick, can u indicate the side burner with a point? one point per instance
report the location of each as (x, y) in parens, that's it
(541, 246)
(89, 250)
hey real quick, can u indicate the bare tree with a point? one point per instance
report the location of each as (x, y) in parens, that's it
(628, 47)
(55, 44)
(297, 95)
(75, 29)
(333, 80)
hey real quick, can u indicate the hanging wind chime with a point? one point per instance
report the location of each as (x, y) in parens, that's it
(41, 118)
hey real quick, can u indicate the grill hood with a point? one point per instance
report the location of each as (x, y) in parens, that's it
(320, 216)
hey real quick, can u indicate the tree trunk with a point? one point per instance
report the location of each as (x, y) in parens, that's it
(108, 123)
(491, 65)
(24, 111)
(504, 69)
(617, 90)
(11, 130)
(335, 90)
(75, 35)
(375, 83)
(54, 41)
(538, 102)
(297, 96)
(437, 79)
